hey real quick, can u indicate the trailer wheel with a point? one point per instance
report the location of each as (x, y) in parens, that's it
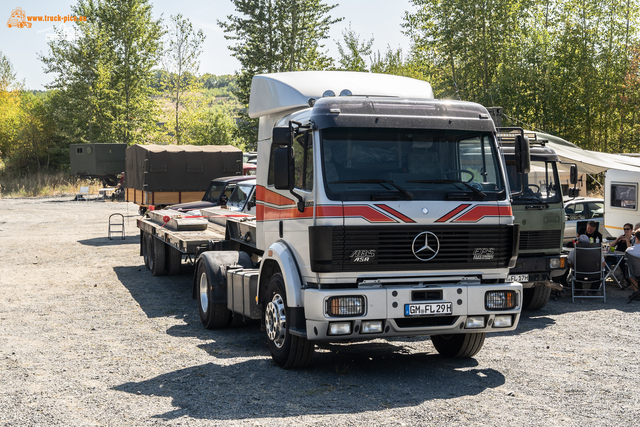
(155, 254)
(288, 351)
(458, 346)
(212, 316)
(144, 243)
(535, 298)
(174, 260)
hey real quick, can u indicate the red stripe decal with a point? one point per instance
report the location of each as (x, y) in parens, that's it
(329, 211)
(479, 212)
(366, 212)
(270, 214)
(395, 213)
(272, 197)
(453, 213)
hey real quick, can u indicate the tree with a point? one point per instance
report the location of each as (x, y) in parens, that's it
(103, 76)
(181, 63)
(10, 107)
(275, 36)
(353, 53)
(214, 127)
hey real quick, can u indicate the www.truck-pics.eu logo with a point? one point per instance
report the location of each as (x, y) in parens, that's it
(20, 19)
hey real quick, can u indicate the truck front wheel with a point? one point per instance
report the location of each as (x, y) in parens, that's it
(458, 346)
(535, 298)
(212, 315)
(288, 351)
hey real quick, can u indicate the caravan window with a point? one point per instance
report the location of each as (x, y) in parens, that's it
(624, 195)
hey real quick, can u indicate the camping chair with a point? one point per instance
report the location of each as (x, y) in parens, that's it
(588, 270)
(83, 194)
(633, 268)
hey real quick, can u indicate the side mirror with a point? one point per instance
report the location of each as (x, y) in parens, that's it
(282, 168)
(574, 192)
(573, 175)
(523, 158)
(281, 136)
(251, 204)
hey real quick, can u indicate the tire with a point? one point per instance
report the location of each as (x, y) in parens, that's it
(458, 346)
(288, 351)
(535, 298)
(173, 260)
(212, 316)
(144, 242)
(155, 254)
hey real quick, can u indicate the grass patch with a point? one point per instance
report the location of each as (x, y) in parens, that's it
(44, 184)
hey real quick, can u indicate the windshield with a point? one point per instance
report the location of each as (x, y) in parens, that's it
(239, 196)
(541, 184)
(215, 189)
(401, 164)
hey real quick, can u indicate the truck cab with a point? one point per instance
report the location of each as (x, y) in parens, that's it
(538, 208)
(381, 212)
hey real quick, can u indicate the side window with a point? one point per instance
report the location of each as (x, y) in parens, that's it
(303, 159)
(596, 210)
(624, 196)
(578, 211)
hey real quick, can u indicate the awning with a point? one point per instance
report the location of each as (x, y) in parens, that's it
(590, 162)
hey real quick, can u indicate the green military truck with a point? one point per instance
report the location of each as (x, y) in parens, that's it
(538, 209)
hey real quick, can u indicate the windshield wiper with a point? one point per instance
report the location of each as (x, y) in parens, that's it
(408, 194)
(480, 193)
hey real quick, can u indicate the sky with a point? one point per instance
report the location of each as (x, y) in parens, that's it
(380, 19)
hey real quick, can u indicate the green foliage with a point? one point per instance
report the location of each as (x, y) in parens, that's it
(353, 53)
(276, 36)
(103, 76)
(214, 127)
(558, 66)
(181, 64)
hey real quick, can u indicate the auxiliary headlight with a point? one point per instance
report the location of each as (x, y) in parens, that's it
(500, 300)
(503, 321)
(345, 306)
(339, 328)
(474, 322)
(372, 327)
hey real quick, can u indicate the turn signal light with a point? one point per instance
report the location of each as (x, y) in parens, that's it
(500, 300)
(345, 306)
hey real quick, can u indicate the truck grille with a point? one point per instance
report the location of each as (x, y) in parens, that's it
(389, 248)
(544, 239)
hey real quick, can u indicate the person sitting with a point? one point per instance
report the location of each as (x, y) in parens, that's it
(620, 245)
(633, 237)
(591, 230)
(583, 240)
(632, 255)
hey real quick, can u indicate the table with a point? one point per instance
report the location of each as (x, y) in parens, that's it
(618, 257)
(103, 193)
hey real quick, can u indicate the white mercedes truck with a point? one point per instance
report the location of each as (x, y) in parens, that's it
(380, 212)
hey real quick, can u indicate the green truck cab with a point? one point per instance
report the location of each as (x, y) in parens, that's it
(538, 208)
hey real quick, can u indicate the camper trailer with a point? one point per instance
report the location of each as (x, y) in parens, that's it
(620, 200)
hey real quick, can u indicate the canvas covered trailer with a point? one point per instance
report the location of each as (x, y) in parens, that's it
(101, 161)
(161, 175)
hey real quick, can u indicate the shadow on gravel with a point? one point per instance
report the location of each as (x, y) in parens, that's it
(104, 241)
(335, 384)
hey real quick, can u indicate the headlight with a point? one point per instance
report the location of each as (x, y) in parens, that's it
(345, 306)
(500, 300)
(556, 262)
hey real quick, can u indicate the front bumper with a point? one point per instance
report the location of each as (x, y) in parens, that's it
(387, 304)
(539, 268)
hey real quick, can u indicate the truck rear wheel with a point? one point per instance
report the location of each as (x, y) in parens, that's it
(535, 298)
(458, 346)
(212, 315)
(155, 254)
(144, 243)
(288, 351)
(174, 260)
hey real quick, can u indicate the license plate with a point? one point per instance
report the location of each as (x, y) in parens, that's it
(428, 309)
(518, 278)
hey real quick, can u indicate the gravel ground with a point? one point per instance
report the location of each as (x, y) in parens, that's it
(89, 337)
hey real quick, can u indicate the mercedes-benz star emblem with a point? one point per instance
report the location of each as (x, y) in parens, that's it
(425, 246)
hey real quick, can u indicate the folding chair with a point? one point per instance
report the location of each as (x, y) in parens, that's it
(588, 270)
(633, 268)
(83, 194)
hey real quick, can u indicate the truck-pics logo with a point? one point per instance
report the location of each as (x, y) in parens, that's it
(363, 255)
(483, 253)
(425, 246)
(18, 19)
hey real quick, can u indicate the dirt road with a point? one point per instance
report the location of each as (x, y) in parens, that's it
(89, 337)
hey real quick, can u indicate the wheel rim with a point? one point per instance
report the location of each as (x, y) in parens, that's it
(204, 299)
(275, 320)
